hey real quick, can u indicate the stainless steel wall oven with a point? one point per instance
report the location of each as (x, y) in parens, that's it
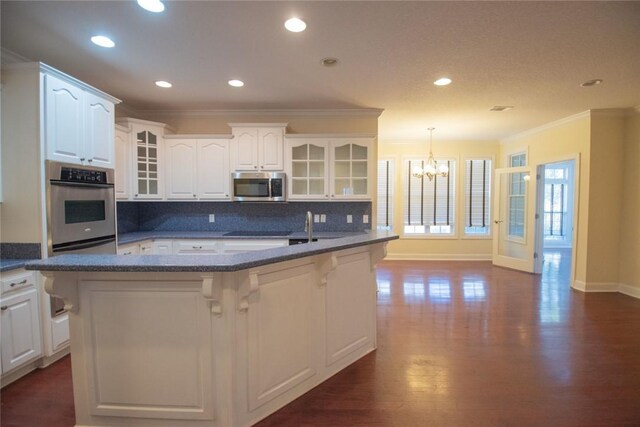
(81, 213)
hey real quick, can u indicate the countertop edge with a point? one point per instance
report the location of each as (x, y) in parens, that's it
(203, 263)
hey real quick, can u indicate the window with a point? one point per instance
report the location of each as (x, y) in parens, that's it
(519, 159)
(386, 170)
(517, 188)
(556, 186)
(477, 191)
(429, 206)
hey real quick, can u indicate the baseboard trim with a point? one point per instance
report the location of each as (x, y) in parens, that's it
(438, 257)
(622, 288)
(631, 291)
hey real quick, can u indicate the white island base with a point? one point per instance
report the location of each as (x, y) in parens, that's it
(214, 348)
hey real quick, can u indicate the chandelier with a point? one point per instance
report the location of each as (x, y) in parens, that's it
(432, 168)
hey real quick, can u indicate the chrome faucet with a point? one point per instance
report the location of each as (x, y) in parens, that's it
(308, 226)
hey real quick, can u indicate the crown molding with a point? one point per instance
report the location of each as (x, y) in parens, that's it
(10, 57)
(551, 125)
(612, 112)
(126, 110)
(328, 135)
(351, 112)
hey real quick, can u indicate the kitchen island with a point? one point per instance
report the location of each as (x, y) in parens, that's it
(219, 340)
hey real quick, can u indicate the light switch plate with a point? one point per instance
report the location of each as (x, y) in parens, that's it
(365, 219)
(316, 218)
(349, 219)
(323, 218)
(212, 217)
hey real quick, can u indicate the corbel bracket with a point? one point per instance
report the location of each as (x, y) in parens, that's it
(212, 292)
(376, 254)
(325, 264)
(65, 287)
(253, 286)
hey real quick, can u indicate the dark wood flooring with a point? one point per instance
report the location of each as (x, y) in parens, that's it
(459, 344)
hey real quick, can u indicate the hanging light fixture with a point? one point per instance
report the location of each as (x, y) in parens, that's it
(432, 168)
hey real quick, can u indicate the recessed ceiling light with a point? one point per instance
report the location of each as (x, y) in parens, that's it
(103, 41)
(590, 83)
(155, 6)
(164, 84)
(236, 83)
(442, 82)
(501, 108)
(329, 62)
(295, 25)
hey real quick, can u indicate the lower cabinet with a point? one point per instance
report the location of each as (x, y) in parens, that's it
(241, 245)
(20, 321)
(195, 247)
(199, 247)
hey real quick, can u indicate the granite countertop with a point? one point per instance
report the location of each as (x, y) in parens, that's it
(139, 236)
(13, 264)
(205, 263)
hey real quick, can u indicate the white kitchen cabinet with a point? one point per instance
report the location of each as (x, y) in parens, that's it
(20, 320)
(351, 167)
(129, 249)
(321, 168)
(60, 332)
(308, 161)
(247, 245)
(63, 120)
(212, 168)
(78, 124)
(195, 247)
(123, 162)
(146, 247)
(162, 247)
(258, 147)
(197, 168)
(181, 160)
(147, 149)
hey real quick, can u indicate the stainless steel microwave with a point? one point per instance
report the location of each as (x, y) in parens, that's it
(259, 186)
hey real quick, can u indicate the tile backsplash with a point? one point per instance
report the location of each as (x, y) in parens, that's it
(229, 216)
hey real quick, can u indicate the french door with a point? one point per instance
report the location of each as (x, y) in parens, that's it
(514, 219)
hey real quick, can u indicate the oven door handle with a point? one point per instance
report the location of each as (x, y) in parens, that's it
(79, 184)
(84, 245)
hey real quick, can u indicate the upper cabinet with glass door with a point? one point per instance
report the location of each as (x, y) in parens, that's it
(308, 160)
(322, 168)
(147, 145)
(351, 167)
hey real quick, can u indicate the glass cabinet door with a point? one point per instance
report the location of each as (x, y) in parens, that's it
(308, 171)
(147, 164)
(350, 170)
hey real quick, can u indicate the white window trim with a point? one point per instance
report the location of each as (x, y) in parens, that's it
(394, 191)
(509, 154)
(455, 234)
(489, 236)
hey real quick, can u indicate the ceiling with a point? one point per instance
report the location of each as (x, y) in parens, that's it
(530, 55)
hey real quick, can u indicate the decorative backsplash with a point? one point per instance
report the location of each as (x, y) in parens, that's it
(229, 216)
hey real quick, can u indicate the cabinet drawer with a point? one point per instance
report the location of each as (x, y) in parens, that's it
(60, 331)
(131, 249)
(19, 280)
(195, 247)
(239, 246)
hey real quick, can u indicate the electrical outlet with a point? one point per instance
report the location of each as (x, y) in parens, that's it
(212, 217)
(316, 218)
(365, 219)
(323, 218)
(349, 219)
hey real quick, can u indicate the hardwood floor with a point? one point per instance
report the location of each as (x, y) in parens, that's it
(459, 344)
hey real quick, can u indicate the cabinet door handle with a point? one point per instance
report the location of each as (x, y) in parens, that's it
(19, 283)
(255, 167)
(197, 247)
(82, 159)
(90, 160)
(4, 307)
(194, 195)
